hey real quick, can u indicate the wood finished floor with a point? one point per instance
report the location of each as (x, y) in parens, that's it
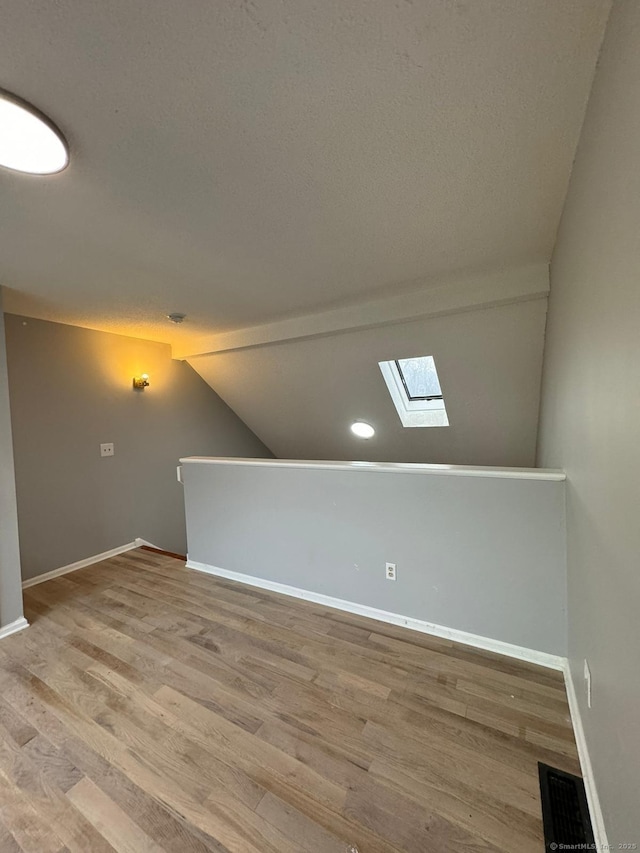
(151, 708)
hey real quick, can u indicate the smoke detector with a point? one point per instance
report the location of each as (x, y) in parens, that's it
(176, 317)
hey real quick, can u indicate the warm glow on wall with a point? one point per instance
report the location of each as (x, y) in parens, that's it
(117, 360)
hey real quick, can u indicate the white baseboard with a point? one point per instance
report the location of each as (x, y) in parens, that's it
(12, 627)
(593, 800)
(141, 542)
(80, 564)
(486, 643)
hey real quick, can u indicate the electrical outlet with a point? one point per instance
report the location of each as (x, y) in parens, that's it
(587, 683)
(107, 449)
(390, 571)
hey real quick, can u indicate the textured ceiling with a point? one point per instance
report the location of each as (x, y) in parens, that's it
(246, 160)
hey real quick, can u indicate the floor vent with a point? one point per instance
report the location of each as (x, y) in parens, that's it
(565, 812)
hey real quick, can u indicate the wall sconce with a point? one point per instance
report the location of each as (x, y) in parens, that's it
(141, 382)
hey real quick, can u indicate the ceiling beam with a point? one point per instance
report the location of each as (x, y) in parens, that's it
(446, 297)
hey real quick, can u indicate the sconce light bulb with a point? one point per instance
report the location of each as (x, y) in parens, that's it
(141, 382)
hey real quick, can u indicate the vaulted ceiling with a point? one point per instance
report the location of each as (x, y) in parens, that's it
(267, 166)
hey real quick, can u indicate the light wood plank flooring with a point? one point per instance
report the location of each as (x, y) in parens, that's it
(150, 708)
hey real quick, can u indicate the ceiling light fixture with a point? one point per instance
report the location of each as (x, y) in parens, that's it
(362, 429)
(29, 141)
(176, 317)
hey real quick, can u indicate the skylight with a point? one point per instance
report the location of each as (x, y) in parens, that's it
(415, 390)
(419, 377)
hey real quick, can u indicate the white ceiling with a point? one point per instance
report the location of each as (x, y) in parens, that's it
(248, 160)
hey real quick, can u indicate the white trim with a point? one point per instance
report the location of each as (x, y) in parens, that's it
(140, 542)
(12, 627)
(555, 474)
(486, 643)
(417, 300)
(597, 821)
(88, 561)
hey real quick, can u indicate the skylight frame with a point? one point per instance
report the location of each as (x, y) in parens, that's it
(413, 397)
(428, 412)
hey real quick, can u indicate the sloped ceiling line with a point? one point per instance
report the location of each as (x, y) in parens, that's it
(469, 293)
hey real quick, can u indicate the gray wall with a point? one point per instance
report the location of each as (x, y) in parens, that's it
(590, 422)
(482, 555)
(10, 589)
(71, 391)
(301, 396)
